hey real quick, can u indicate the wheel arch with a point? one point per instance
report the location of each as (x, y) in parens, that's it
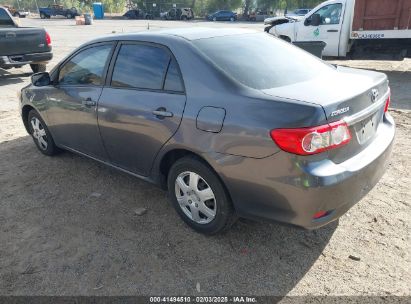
(25, 115)
(170, 157)
(285, 38)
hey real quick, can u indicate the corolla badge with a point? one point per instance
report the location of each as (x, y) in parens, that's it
(340, 111)
(374, 95)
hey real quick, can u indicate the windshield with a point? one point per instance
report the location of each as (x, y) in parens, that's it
(261, 61)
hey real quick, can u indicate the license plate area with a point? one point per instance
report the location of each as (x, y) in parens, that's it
(366, 129)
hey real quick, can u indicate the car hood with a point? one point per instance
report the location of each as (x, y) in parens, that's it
(273, 20)
(341, 88)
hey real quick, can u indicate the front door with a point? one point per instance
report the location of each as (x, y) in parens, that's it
(142, 105)
(328, 30)
(72, 114)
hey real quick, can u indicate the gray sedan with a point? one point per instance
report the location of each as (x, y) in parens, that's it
(232, 122)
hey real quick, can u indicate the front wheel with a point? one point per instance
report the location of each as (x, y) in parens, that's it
(214, 19)
(37, 68)
(199, 197)
(232, 19)
(42, 16)
(40, 134)
(69, 16)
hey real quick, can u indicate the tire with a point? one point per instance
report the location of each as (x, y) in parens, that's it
(40, 134)
(43, 16)
(184, 18)
(208, 212)
(214, 19)
(232, 19)
(16, 15)
(37, 68)
(69, 16)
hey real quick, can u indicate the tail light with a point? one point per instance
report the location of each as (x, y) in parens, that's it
(387, 103)
(320, 214)
(307, 141)
(48, 39)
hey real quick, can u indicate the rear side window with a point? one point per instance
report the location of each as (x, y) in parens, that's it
(140, 66)
(5, 20)
(86, 68)
(173, 80)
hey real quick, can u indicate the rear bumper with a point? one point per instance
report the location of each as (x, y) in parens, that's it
(20, 60)
(288, 188)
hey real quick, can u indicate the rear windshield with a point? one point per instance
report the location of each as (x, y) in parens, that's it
(261, 61)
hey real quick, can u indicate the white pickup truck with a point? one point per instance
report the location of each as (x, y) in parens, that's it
(356, 29)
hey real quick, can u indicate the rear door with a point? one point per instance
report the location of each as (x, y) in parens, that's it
(141, 106)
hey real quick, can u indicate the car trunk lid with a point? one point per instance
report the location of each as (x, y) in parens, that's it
(355, 96)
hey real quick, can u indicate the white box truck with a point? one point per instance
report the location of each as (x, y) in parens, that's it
(355, 29)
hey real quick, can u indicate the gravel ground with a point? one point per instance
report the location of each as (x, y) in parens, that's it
(68, 224)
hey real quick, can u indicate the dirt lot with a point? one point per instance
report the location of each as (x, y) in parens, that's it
(68, 225)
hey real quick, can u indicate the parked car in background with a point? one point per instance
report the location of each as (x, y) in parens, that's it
(299, 141)
(260, 15)
(222, 16)
(20, 46)
(137, 14)
(178, 14)
(58, 10)
(20, 13)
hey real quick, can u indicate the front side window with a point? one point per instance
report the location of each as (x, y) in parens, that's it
(330, 14)
(86, 68)
(140, 66)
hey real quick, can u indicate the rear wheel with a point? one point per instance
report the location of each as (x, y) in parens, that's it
(232, 19)
(37, 68)
(214, 19)
(69, 16)
(40, 134)
(43, 16)
(199, 197)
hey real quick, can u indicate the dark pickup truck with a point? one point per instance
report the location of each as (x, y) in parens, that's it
(57, 10)
(23, 45)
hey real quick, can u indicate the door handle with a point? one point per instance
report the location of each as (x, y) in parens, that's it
(161, 113)
(332, 31)
(89, 102)
(10, 35)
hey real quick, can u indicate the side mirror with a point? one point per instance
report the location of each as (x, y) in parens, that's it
(41, 79)
(315, 19)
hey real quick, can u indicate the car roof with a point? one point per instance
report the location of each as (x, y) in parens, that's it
(193, 33)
